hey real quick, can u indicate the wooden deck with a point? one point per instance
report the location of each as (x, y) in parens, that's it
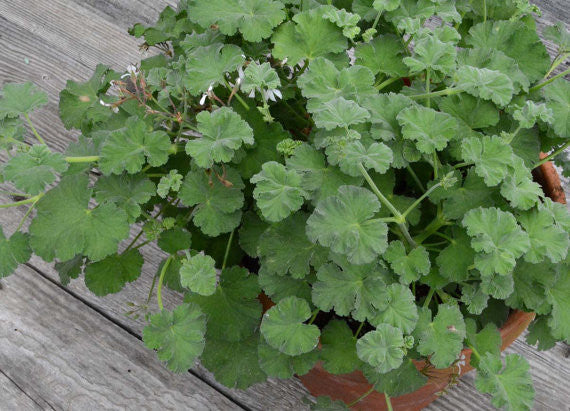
(63, 348)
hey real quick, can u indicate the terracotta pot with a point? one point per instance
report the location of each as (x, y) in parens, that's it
(348, 387)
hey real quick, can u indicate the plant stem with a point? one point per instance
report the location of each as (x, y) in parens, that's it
(464, 164)
(431, 228)
(237, 96)
(444, 236)
(446, 92)
(386, 83)
(23, 202)
(363, 396)
(547, 82)
(133, 242)
(557, 61)
(228, 246)
(160, 281)
(475, 352)
(358, 330)
(376, 20)
(40, 139)
(84, 159)
(26, 215)
(552, 155)
(314, 316)
(415, 177)
(428, 73)
(419, 200)
(388, 402)
(11, 193)
(484, 11)
(429, 297)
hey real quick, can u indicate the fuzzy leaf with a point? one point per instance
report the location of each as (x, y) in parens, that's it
(12, 130)
(546, 239)
(338, 351)
(198, 274)
(492, 156)
(178, 336)
(530, 113)
(339, 113)
(430, 129)
(111, 274)
(400, 381)
(259, 77)
(454, 260)
(476, 113)
(170, 182)
(382, 55)
(430, 53)
(283, 327)
(345, 224)
(382, 348)
(223, 132)
(557, 95)
(377, 156)
(474, 298)
(276, 364)
(400, 310)
(409, 266)
(174, 240)
(13, 252)
(539, 334)
(20, 98)
(486, 84)
(558, 297)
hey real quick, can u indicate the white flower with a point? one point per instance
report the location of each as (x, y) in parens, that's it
(207, 94)
(113, 107)
(272, 94)
(132, 71)
(461, 362)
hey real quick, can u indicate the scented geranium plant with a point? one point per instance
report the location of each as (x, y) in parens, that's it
(364, 164)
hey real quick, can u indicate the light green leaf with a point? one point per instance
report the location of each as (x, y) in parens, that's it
(178, 336)
(492, 156)
(301, 38)
(355, 290)
(558, 34)
(539, 334)
(20, 98)
(546, 239)
(442, 339)
(278, 286)
(339, 113)
(65, 226)
(476, 113)
(217, 205)
(255, 19)
(510, 386)
(170, 182)
(12, 131)
(430, 129)
(400, 310)
(559, 321)
(259, 77)
(127, 148)
(223, 132)
(343, 19)
(530, 113)
(13, 252)
(174, 240)
(454, 260)
(519, 187)
(531, 282)
(474, 298)
(498, 286)
(283, 327)
(276, 364)
(278, 191)
(486, 84)
(207, 66)
(345, 224)
(33, 170)
(430, 53)
(377, 156)
(338, 351)
(233, 311)
(382, 348)
(198, 274)
(497, 238)
(487, 340)
(557, 95)
(402, 380)
(409, 266)
(299, 255)
(382, 55)
(386, 5)
(126, 191)
(111, 274)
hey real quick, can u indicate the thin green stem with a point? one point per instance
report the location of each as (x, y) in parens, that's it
(444, 236)
(387, 82)
(151, 175)
(552, 155)
(83, 159)
(464, 164)
(314, 316)
(26, 215)
(11, 193)
(415, 177)
(557, 61)
(387, 220)
(143, 244)
(435, 161)
(151, 290)
(446, 92)
(161, 280)
(376, 20)
(228, 247)
(388, 402)
(475, 352)
(380, 196)
(23, 202)
(358, 330)
(431, 228)
(40, 139)
(429, 297)
(512, 135)
(363, 396)
(550, 80)
(158, 104)
(484, 10)
(133, 242)
(419, 200)
(237, 96)
(428, 73)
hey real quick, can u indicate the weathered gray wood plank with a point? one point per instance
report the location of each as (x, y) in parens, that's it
(14, 398)
(61, 352)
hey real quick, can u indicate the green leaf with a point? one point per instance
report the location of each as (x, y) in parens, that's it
(283, 327)
(278, 191)
(216, 205)
(516, 40)
(345, 224)
(33, 170)
(278, 286)
(557, 95)
(343, 19)
(259, 77)
(356, 290)
(276, 364)
(402, 380)
(12, 131)
(234, 363)
(327, 404)
(339, 113)
(430, 129)
(539, 333)
(69, 269)
(170, 182)
(338, 351)
(442, 339)
(382, 348)
(409, 266)
(20, 98)
(474, 298)
(454, 260)
(377, 156)
(497, 238)
(519, 188)
(207, 66)
(301, 38)
(510, 386)
(233, 311)
(430, 53)
(487, 340)
(223, 132)
(79, 102)
(546, 239)
(531, 282)
(126, 191)
(65, 226)
(558, 34)
(111, 274)
(178, 336)
(126, 149)
(198, 274)
(255, 19)
(476, 113)
(486, 84)
(299, 255)
(530, 113)
(492, 156)
(251, 229)
(382, 55)
(497, 286)
(558, 297)
(386, 5)
(400, 310)
(174, 240)
(13, 252)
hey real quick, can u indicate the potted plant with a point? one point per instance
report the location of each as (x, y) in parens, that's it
(369, 179)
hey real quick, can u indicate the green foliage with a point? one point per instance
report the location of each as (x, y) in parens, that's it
(371, 176)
